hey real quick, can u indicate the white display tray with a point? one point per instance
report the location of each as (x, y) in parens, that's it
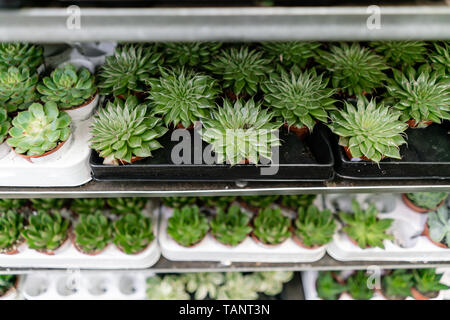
(69, 169)
(406, 228)
(84, 286)
(248, 251)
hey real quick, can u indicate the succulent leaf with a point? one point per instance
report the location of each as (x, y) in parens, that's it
(439, 225)
(401, 53)
(190, 54)
(291, 53)
(327, 287)
(87, 206)
(178, 202)
(21, 54)
(230, 227)
(187, 226)
(122, 206)
(47, 204)
(18, 88)
(271, 227)
(4, 125)
(314, 227)
(11, 227)
(398, 284)
(93, 232)
(427, 200)
(133, 233)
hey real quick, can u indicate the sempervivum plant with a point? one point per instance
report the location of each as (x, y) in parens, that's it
(427, 200)
(191, 54)
(68, 86)
(290, 53)
(428, 282)
(93, 233)
(369, 131)
(188, 226)
(87, 206)
(39, 129)
(128, 69)
(169, 287)
(271, 227)
(238, 287)
(327, 286)
(127, 205)
(46, 231)
(241, 132)
(133, 233)
(18, 88)
(178, 202)
(357, 286)
(241, 70)
(314, 227)
(11, 204)
(421, 95)
(401, 53)
(230, 227)
(123, 131)
(47, 204)
(20, 54)
(354, 69)
(11, 227)
(259, 202)
(4, 125)
(271, 283)
(204, 284)
(297, 201)
(182, 96)
(397, 284)
(441, 59)
(439, 225)
(217, 202)
(299, 98)
(363, 226)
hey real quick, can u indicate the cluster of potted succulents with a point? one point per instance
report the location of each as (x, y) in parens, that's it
(214, 285)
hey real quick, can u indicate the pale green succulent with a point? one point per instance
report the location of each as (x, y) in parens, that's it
(401, 53)
(47, 204)
(18, 88)
(169, 287)
(427, 200)
(11, 227)
(271, 283)
(204, 284)
(39, 129)
(271, 227)
(242, 131)
(190, 54)
(440, 58)
(4, 125)
(21, 54)
(439, 225)
(290, 53)
(238, 287)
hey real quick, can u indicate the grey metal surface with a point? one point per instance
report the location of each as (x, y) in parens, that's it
(225, 24)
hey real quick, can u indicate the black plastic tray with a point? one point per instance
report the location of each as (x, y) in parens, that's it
(309, 160)
(425, 156)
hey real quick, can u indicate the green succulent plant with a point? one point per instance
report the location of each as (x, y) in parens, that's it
(369, 130)
(127, 205)
(364, 227)
(271, 227)
(4, 125)
(440, 59)
(240, 132)
(241, 70)
(427, 200)
(314, 227)
(11, 204)
(427, 281)
(327, 287)
(420, 95)
(217, 202)
(190, 54)
(47, 204)
(398, 284)
(39, 129)
(290, 53)
(204, 284)
(439, 225)
(68, 86)
(178, 202)
(271, 283)
(18, 88)
(297, 201)
(11, 227)
(182, 96)
(128, 69)
(299, 98)
(401, 53)
(124, 130)
(93, 232)
(87, 206)
(187, 226)
(260, 201)
(230, 227)
(21, 54)
(354, 69)
(46, 231)
(169, 287)
(7, 281)
(357, 286)
(133, 233)
(238, 287)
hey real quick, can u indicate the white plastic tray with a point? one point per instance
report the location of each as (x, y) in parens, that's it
(248, 251)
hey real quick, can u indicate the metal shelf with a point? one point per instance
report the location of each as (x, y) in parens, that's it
(225, 24)
(326, 263)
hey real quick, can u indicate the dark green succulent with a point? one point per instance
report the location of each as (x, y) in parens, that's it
(222, 202)
(182, 96)
(11, 204)
(439, 225)
(327, 287)
(4, 125)
(87, 206)
(357, 286)
(297, 201)
(241, 70)
(128, 69)
(18, 88)
(230, 227)
(299, 98)
(7, 281)
(398, 284)
(440, 59)
(190, 54)
(21, 54)
(46, 231)
(178, 202)
(48, 204)
(290, 53)
(127, 205)
(401, 53)
(314, 227)
(354, 69)
(428, 281)
(427, 200)
(11, 227)
(260, 202)
(271, 227)
(364, 227)
(93, 232)
(133, 233)
(187, 226)
(68, 87)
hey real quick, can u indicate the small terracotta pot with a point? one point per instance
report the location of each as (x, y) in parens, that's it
(416, 294)
(52, 252)
(350, 157)
(244, 205)
(299, 242)
(140, 251)
(416, 208)
(180, 126)
(14, 249)
(195, 244)
(75, 244)
(254, 237)
(300, 132)
(29, 158)
(244, 161)
(412, 123)
(426, 233)
(84, 104)
(226, 244)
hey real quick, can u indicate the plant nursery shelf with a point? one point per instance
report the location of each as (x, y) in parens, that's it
(430, 22)
(95, 189)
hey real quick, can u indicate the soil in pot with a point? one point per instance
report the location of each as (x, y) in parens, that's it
(416, 294)
(300, 132)
(426, 232)
(420, 125)
(416, 208)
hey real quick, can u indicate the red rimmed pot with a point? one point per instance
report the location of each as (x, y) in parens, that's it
(268, 245)
(226, 244)
(350, 156)
(248, 207)
(52, 252)
(49, 155)
(85, 110)
(416, 294)
(75, 244)
(418, 209)
(133, 160)
(135, 253)
(300, 132)
(14, 249)
(421, 125)
(426, 233)
(299, 242)
(193, 245)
